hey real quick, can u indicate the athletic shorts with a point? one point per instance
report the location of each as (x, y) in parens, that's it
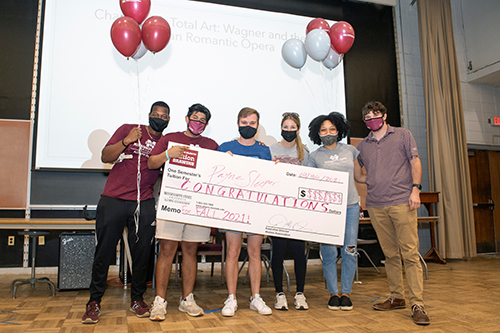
(181, 232)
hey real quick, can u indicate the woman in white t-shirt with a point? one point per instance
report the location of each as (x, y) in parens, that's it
(327, 131)
(289, 150)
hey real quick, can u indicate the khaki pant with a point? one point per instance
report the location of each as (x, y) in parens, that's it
(396, 228)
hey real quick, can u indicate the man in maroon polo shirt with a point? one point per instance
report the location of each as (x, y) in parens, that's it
(394, 172)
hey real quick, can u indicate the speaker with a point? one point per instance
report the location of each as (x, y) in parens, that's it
(76, 256)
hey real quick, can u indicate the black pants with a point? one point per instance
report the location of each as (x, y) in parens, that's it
(112, 216)
(297, 249)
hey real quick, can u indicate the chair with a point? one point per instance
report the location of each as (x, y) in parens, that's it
(206, 249)
(360, 250)
(425, 266)
(267, 245)
(315, 246)
(34, 234)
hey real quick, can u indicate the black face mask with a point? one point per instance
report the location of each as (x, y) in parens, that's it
(289, 136)
(158, 124)
(247, 132)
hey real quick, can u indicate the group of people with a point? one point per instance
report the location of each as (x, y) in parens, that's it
(392, 172)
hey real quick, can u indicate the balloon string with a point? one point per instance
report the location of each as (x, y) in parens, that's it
(135, 92)
(325, 85)
(149, 70)
(137, 212)
(304, 77)
(310, 90)
(139, 111)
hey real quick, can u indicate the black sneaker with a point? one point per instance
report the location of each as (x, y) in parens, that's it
(334, 303)
(345, 303)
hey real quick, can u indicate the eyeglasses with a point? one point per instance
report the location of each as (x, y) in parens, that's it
(290, 114)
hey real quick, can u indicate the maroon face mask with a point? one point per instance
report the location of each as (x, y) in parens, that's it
(375, 124)
(196, 127)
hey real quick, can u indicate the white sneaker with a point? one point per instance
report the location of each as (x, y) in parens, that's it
(300, 302)
(158, 309)
(230, 306)
(280, 302)
(258, 304)
(190, 307)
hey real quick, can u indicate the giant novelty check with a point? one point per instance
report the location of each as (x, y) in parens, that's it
(215, 189)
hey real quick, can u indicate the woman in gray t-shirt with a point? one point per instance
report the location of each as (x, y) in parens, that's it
(327, 131)
(289, 150)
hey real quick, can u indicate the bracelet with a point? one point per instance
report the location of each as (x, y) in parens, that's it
(166, 153)
(123, 143)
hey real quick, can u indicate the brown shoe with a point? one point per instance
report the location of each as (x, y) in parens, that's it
(391, 303)
(419, 315)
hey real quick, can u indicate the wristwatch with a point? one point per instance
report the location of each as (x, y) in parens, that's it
(419, 186)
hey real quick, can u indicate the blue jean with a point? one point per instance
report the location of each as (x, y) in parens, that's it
(348, 252)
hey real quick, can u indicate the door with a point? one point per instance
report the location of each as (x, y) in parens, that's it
(485, 177)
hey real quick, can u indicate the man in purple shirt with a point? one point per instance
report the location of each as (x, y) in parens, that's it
(393, 177)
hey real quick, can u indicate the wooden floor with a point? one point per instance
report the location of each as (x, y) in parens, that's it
(461, 296)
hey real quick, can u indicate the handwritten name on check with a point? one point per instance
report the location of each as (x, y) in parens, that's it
(214, 189)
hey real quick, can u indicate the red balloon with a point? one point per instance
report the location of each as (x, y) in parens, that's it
(155, 33)
(341, 37)
(136, 9)
(126, 35)
(318, 23)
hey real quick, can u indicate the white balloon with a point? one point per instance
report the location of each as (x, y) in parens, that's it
(141, 51)
(294, 53)
(332, 59)
(317, 44)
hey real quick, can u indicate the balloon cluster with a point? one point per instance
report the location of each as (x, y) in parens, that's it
(133, 41)
(323, 43)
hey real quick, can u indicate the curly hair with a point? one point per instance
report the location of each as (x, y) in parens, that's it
(335, 118)
(373, 106)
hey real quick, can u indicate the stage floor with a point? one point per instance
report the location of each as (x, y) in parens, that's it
(461, 296)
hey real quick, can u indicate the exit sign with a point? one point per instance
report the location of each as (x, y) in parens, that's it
(494, 121)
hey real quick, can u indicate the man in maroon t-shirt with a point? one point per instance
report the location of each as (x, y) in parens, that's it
(170, 233)
(118, 208)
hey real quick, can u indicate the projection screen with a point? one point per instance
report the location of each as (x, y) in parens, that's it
(223, 57)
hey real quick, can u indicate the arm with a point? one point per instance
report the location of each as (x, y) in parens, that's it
(416, 174)
(359, 176)
(156, 161)
(111, 153)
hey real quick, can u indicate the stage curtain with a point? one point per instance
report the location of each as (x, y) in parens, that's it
(447, 145)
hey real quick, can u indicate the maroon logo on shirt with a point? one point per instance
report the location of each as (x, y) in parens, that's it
(189, 159)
